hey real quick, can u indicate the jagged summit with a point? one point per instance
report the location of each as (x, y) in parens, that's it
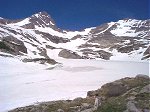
(39, 36)
(42, 19)
(42, 13)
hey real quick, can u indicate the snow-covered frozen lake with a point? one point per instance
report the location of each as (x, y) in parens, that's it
(27, 83)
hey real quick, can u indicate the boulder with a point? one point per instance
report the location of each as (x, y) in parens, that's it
(131, 107)
(113, 89)
(92, 93)
(141, 76)
(77, 100)
(69, 54)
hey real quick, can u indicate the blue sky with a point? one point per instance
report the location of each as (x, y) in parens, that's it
(77, 14)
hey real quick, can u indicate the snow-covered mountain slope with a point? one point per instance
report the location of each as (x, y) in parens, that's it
(39, 37)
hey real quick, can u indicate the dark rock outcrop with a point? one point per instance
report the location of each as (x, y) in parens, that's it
(145, 89)
(120, 87)
(54, 39)
(13, 46)
(146, 54)
(41, 19)
(103, 54)
(114, 89)
(69, 54)
(124, 95)
(41, 60)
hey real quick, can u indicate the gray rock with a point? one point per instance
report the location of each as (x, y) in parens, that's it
(146, 54)
(41, 60)
(38, 21)
(16, 46)
(60, 110)
(131, 107)
(69, 54)
(97, 103)
(146, 89)
(78, 99)
(141, 76)
(104, 55)
(114, 89)
(86, 106)
(92, 93)
(54, 39)
(146, 110)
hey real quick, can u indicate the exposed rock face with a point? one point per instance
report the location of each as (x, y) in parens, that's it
(145, 89)
(106, 41)
(124, 95)
(41, 60)
(114, 89)
(54, 39)
(146, 53)
(127, 37)
(110, 90)
(129, 48)
(97, 53)
(119, 87)
(103, 54)
(41, 19)
(131, 107)
(13, 45)
(69, 54)
(141, 76)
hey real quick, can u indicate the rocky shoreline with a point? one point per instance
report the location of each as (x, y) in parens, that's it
(124, 95)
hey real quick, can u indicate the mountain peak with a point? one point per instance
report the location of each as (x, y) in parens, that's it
(40, 19)
(43, 13)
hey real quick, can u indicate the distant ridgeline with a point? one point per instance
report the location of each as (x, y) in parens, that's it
(38, 37)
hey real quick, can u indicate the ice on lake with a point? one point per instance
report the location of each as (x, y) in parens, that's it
(23, 84)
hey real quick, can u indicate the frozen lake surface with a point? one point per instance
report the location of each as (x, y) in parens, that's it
(22, 84)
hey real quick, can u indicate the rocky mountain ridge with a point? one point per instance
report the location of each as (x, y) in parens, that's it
(38, 37)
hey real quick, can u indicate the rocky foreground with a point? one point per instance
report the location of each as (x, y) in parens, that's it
(124, 95)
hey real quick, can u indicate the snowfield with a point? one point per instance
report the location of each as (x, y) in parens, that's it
(23, 84)
(37, 36)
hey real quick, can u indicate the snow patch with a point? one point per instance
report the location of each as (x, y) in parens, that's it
(132, 56)
(23, 22)
(124, 28)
